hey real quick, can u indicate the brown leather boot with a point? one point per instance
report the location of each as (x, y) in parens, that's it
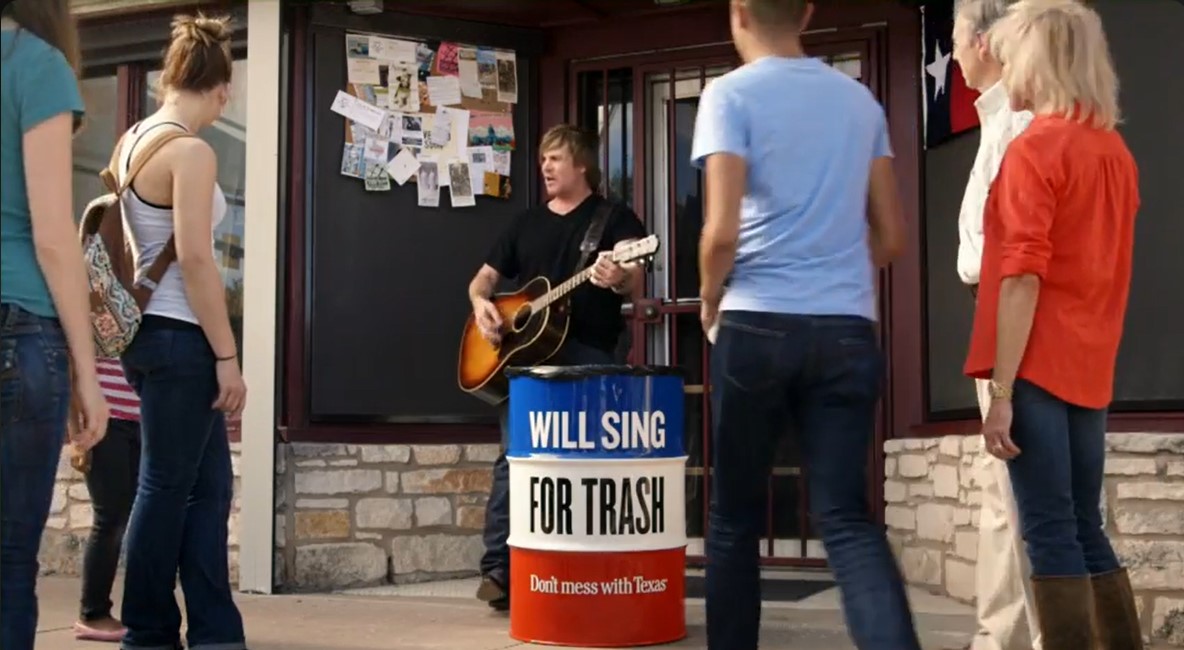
(1065, 610)
(1117, 618)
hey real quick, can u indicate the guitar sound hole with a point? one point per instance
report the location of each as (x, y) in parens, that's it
(521, 318)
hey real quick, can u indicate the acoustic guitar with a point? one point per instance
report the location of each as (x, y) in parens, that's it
(534, 327)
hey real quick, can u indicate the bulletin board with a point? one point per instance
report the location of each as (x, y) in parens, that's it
(391, 255)
(439, 114)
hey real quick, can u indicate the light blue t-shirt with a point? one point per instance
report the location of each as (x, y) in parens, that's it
(36, 83)
(808, 134)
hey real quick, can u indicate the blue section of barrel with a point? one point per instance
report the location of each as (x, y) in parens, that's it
(596, 412)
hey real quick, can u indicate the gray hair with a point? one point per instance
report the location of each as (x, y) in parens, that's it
(982, 14)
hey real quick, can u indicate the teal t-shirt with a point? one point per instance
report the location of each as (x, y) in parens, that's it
(37, 83)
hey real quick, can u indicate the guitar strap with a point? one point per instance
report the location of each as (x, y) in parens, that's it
(593, 235)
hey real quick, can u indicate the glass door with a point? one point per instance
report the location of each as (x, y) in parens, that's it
(645, 112)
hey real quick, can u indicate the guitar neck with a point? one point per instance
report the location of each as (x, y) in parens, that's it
(560, 290)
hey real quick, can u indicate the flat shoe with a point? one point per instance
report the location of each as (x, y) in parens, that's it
(84, 632)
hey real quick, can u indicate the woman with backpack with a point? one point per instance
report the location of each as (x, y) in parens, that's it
(183, 361)
(47, 354)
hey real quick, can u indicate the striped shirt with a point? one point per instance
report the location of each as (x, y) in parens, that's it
(121, 399)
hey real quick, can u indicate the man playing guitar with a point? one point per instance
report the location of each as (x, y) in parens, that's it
(546, 241)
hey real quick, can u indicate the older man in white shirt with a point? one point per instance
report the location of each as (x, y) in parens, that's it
(1006, 613)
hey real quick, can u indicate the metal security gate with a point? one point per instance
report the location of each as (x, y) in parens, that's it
(644, 108)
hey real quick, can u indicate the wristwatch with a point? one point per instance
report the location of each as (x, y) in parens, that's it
(999, 391)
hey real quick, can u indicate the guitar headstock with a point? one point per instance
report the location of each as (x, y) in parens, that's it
(641, 249)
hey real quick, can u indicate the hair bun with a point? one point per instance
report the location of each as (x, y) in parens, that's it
(202, 29)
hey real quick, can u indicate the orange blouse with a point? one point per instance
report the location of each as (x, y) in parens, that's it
(1062, 208)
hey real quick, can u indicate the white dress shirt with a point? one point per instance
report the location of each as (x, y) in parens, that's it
(1000, 125)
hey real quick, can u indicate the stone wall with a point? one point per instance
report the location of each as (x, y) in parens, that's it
(356, 515)
(71, 516)
(932, 494)
(346, 515)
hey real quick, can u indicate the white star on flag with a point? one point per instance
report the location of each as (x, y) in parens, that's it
(937, 69)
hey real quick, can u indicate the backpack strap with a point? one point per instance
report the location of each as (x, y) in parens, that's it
(110, 175)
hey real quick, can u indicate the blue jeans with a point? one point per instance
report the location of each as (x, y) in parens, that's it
(34, 400)
(180, 515)
(496, 561)
(819, 377)
(1057, 480)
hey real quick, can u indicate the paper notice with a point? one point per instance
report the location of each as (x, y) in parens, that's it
(444, 91)
(480, 161)
(362, 71)
(459, 127)
(352, 163)
(376, 177)
(501, 162)
(507, 77)
(486, 68)
(460, 184)
(428, 184)
(392, 128)
(493, 129)
(470, 77)
(403, 92)
(441, 132)
(357, 110)
(367, 93)
(411, 131)
(377, 150)
(392, 49)
(357, 46)
(359, 134)
(403, 166)
(497, 185)
(446, 56)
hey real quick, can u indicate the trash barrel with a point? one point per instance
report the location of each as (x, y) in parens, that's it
(597, 505)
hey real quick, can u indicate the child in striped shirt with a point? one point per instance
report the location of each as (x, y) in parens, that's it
(112, 477)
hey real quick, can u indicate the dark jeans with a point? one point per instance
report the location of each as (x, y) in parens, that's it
(182, 507)
(1057, 480)
(34, 399)
(820, 377)
(111, 480)
(496, 561)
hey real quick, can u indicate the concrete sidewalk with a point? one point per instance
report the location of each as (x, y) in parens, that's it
(444, 616)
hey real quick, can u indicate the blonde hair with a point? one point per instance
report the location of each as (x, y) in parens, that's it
(198, 57)
(1056, 60)
(583, 145)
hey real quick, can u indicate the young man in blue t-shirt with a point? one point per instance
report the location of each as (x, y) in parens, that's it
(801, 209)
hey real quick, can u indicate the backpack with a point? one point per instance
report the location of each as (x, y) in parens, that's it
(117, 300)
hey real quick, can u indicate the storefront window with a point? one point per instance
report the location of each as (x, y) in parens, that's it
(93, 144)
(228, 137)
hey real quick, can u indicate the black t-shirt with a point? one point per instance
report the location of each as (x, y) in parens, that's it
(541, 242)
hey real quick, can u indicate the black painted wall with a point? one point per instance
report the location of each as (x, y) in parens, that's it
(388, 286)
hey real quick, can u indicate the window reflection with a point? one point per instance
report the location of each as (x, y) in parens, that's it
(614, 123)
(93, 144)
(228, 138)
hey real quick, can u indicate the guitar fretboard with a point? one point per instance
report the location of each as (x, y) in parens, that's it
(632, 252)
(560, 290)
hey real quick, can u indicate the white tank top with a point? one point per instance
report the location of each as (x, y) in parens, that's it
(151, 226)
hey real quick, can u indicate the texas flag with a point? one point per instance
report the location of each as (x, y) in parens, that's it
(949, 103)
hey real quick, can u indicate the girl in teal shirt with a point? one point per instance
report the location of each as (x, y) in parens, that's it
(47, 355)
